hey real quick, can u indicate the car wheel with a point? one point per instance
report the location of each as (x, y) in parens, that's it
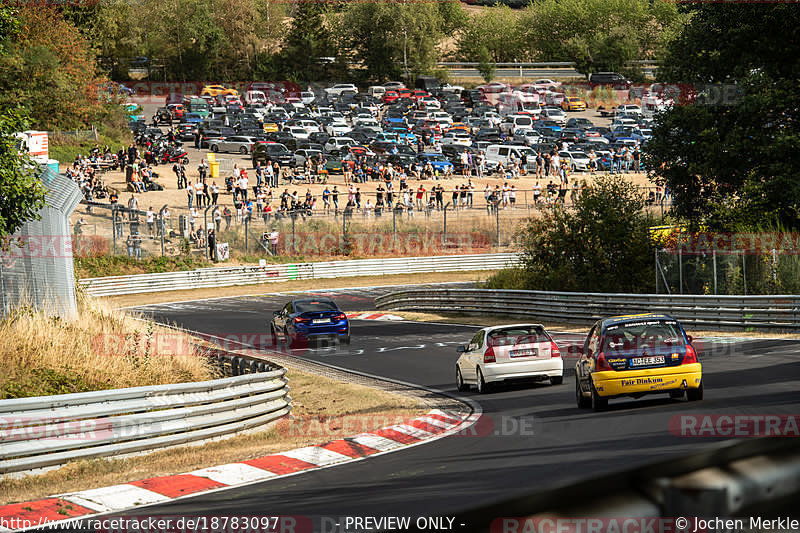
(214, 148)
(483, 387)
(695, 395)
(676, 394)
(582, 401)
(556, 380)
(346, 340)
(185, 160)
(273, 335)
(243, 150)
(598, 402)
(460, 385)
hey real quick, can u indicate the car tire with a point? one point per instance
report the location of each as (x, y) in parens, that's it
(582, 401)
(346, 340)
(695, 395)
(243, 150)
(598, 402)
(460, 385)
(556, 380)
(185, 161)
(483, 387)
(214, 148)
(273, 335)
(676, 394)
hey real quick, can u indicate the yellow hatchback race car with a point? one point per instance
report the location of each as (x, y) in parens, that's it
(635, 355)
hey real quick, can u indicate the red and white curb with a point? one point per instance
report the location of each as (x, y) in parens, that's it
(373, 316)
(24, 515)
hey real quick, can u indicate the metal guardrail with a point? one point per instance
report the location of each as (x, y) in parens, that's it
(250, 275)
(734, 312)
(52, 430)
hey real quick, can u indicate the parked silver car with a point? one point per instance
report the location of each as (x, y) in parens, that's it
(235, 143)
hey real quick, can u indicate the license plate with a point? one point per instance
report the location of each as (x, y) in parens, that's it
(647, 361)
(523, 353)
(327, 321)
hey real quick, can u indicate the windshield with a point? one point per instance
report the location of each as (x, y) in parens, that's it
(315, 305)
(651, 333)
(517, 335)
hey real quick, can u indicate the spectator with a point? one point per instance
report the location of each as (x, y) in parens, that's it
(198, 193)
(150, 219)
(214, 192)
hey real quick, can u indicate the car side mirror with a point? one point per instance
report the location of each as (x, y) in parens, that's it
(461, 348)
(690, 338)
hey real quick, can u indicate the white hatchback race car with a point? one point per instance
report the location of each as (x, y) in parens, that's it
(517, 352)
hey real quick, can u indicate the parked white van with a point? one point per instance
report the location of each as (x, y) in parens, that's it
(376, 91)
(501, 153)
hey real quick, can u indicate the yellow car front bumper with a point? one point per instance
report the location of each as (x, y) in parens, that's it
(612, 383)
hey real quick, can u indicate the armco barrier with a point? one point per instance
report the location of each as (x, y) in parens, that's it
(775, 313)
(52, 430)
(251, 275)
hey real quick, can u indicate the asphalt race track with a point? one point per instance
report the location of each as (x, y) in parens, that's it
(530, 438)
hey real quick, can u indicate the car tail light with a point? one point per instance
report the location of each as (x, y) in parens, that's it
(690, 357)
(340, 316)
(488, 355)
(554, 351)
(299, 319)
(601, 365)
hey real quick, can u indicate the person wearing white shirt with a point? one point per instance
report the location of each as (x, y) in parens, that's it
(150, 218)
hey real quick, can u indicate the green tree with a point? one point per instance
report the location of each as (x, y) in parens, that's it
(496, 30)
(50, 69)
(21, 193)
(730, 158)
(597, 34)
(309, 42)
(392, 39)
(486, 66)
(602, 245)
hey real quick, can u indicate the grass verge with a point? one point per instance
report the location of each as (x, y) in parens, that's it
(100, 349)
(323, 409)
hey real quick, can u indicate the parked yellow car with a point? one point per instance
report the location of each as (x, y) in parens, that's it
(216, 90)
(573, 103)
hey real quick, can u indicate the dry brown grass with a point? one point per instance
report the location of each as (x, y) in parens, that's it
(323, 409)
(100, 349)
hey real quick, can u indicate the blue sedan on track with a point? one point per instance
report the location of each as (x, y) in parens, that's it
(309, 319)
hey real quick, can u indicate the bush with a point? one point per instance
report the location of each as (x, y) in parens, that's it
(602, 245)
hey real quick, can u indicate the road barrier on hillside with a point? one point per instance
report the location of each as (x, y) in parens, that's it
(251, 275)
(48, 431)
(773, 313)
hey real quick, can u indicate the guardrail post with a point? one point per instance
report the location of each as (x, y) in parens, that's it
(163, 227)
(205, 229)
(497, 215)
(114, 227)
(444, 228)
(714, 264)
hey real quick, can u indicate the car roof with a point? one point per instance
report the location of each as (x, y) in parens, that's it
(507, 326)
(622, 319)
(309, 300)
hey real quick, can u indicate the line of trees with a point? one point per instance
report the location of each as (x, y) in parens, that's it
(248, 39)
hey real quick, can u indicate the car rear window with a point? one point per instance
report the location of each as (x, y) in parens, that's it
(517, 335)
(631, 335)
(315, 305)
